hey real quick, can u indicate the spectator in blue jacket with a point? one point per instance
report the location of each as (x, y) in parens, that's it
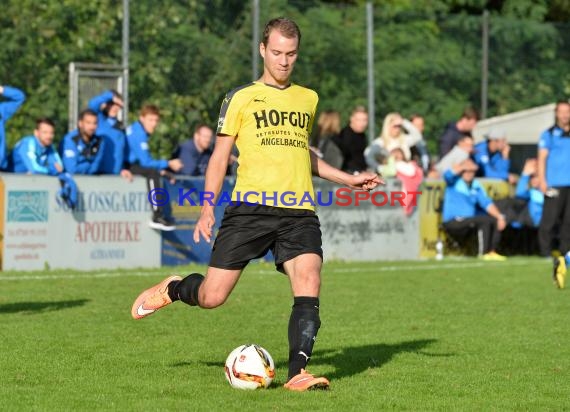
(81, 149)
(108, 106)
(142, 163)
(14, 99)
(492, 156)
(464, 199)
(36, 154)
(195, 153)
(525, 209)
(528, 189)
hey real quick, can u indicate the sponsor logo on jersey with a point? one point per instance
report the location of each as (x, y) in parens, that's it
(272, 118)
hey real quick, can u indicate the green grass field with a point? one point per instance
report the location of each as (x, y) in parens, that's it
(455, 335)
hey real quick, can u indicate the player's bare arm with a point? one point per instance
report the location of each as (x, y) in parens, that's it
(541, 166)
(362, 181)
(214, 180)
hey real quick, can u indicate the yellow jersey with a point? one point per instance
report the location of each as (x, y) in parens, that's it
(272, 128)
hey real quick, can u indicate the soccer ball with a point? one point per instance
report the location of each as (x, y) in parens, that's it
(249, 367)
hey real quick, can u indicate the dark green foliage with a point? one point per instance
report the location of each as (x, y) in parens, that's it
(185, 54)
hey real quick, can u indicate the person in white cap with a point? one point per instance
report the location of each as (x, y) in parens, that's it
(492, 156)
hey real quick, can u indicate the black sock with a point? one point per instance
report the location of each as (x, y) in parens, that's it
(304, 324)
(186, 289)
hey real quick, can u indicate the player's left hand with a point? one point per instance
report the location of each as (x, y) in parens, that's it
(365, 181)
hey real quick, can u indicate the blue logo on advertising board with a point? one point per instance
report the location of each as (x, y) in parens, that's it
(28, 206)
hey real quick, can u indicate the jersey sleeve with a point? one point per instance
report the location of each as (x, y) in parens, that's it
(14, 99)
(54, 158)
(314, 113)
(229, 121)
(96, 102)
(483, 200)
(545, 140)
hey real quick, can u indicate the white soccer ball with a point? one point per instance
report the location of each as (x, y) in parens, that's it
(250, 367)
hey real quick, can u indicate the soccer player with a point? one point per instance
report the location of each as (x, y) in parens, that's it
(270, 121)
(554, 176)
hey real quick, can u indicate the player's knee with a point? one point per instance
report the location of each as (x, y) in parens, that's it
(308, 283)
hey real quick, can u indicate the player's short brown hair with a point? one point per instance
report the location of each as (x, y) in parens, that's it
(87, 112)
(149, 109)
(470, 113)
(286, 27)
(44, 120)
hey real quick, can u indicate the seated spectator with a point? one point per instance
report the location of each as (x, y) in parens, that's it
(36, 154)
(14, 99)
(463, 197)
(460, 152)
(397, 133)
(454, 130)
(107, 106)
(525, 210)
(352, 141)
(142, 163)
(492, 156)
(195, 153)
(328, 128)
(420, 151)
(528, 188)
(81, 149)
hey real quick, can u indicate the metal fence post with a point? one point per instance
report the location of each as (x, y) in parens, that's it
(125, 85)
(370, 69)
(485, 64)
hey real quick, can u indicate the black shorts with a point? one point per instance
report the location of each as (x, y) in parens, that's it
(250, 231)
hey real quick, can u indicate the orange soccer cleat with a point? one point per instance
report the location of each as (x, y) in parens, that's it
(153, 299)
(304, 381)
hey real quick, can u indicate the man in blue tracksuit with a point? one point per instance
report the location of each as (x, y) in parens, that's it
(142, 163)
(463, 197)
(528, 190)
(14, 98)
(81, 149)
(492, 156)
(36, 154)
(554, 177)
(107, 106)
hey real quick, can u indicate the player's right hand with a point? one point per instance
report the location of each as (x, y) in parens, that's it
(204, 225)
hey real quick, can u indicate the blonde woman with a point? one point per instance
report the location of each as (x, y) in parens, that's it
(397, 133)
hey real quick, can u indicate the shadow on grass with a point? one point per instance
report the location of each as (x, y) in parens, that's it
(352, 360)
(29, 308)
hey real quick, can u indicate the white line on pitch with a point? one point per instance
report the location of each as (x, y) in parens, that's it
(380, 268)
